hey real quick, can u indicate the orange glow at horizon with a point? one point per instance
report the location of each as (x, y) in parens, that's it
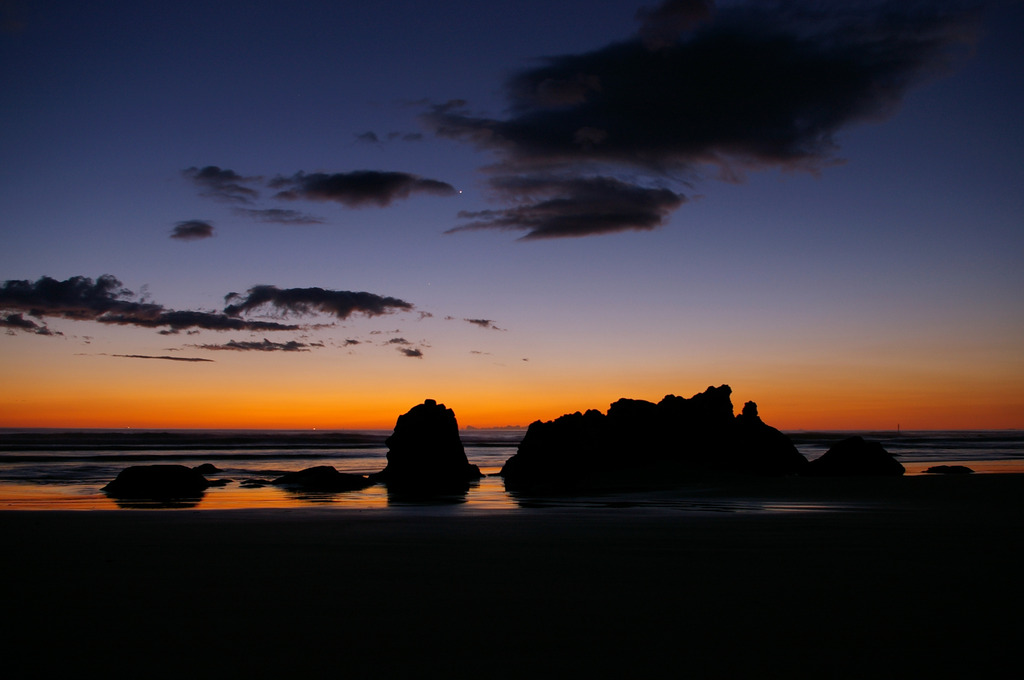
(785, 409)
(304, 392)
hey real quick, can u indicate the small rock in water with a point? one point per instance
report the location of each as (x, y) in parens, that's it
(949, 470)
(157, 482)
(322, 478)
(852, 457)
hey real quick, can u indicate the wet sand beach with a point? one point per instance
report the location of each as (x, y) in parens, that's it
(912, 576)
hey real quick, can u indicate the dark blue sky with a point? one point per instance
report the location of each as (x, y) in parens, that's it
(572, 202)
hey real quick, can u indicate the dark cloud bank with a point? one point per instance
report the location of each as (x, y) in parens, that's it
(106, 300)
(338, 303)
(592, 142)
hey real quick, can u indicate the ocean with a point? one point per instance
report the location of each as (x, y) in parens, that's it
(66, 469)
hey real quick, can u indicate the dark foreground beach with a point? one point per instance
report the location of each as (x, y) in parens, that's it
(912, 576)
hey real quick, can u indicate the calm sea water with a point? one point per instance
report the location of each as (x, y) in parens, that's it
(66, 469)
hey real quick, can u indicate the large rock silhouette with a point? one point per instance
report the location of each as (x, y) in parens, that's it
(425, 453)
(639, 443)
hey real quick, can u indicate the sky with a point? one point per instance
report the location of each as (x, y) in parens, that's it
(319, 214)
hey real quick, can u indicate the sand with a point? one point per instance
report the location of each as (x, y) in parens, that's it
(910, 577)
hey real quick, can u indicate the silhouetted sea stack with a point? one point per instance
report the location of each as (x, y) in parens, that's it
(157, 482)
(639, 443)
(855, 456)
(425, 452)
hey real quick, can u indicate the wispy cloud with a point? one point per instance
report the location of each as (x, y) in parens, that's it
(411, 353)
(164, 358)
(739, 87)
(264, 346)
(192, 230)
(223, 184)
(484, 323)
(356, 189)
(17, 322)
(371, 137)
(178, 320)
(557, 207)
(278, 216)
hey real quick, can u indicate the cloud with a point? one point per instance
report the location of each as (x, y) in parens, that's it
(355, 189)
(740, 87)
(371, 137)
(484, 323)
(279, 216)
(78, 297)
(105, 300)
(223, 184)
(662, 25)
(166, 358)
(12, 17)
(557, 207)
(765, 83)
(265, 346)
(17, 322)
(176, 321)
(359, 188)
(412, 353)
(339, 303)
(192, 230)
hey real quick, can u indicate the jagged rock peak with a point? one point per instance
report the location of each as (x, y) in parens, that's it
(643, 441)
